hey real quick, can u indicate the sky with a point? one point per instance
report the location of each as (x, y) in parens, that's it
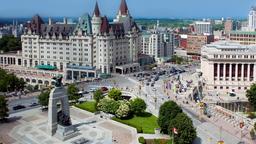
(138, 8)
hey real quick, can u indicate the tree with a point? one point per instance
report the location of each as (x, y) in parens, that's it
(167, 111)
(115, 94)
(3, 108)
(108, 105)
(43, 98)
(73, 92)
(186, 131)
(123, 110)
(98, 95)
(9, 82)
(10, 43)
(251, 95)
(138, 106)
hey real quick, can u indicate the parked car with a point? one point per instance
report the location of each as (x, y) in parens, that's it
(18, 107)
(33, 104)
(147, 84)
(152, 84)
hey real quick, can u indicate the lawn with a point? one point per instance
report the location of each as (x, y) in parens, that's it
(88, 106)
(144, 124)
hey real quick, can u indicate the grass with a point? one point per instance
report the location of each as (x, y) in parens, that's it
(145, 123)
(88, 106)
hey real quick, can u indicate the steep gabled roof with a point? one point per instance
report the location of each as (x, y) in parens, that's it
(104, 28)
(96, 10)
(123, 8)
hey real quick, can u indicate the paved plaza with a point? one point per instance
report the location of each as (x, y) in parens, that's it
(30, 127)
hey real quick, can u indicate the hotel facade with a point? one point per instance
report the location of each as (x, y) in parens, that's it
(228, 66)
(78, 52)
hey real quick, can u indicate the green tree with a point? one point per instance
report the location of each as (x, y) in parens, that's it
(73, 92)
(3, 108)
(108, 105)
(9, 82)
(186, 131)
(255, 126)
(251, 95)
(98, 95)
(138, 106)
(10, 43)
(43, 98)
(252, 134)
(167, 111)
(115, 94)
(124, 110)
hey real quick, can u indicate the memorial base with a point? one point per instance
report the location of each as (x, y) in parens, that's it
(66, 132)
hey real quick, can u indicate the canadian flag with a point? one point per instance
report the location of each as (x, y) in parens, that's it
(175, 131)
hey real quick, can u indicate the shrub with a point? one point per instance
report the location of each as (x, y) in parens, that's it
(138, 106)
(123, 110)
(108, 105)
(142, 140)
(115, 94)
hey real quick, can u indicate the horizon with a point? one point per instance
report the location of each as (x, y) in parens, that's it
(161, 8)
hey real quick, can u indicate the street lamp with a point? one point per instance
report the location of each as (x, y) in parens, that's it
(155, 98)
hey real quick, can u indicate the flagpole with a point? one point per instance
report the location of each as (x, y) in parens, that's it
(172, 137)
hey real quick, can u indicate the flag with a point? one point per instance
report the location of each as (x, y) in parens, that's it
(175, 131)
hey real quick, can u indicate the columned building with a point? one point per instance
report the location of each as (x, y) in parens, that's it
(228, 67)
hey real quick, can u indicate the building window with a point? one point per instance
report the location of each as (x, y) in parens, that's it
(227, 87)
(215, 87)
(239, 88)
(221, 87)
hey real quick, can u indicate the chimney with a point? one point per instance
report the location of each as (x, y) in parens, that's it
(65, 20)
(50, 21)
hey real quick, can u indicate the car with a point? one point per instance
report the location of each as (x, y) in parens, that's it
(149, 80)
(152, 84)
(33, 104)
(147, 84)
(18, 107)
(92, 90)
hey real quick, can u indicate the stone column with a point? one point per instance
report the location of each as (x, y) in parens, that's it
(236, 73)
(248, 72)
(218, 71)
(230, 72)
(254, 72)
(224, 71)
(242, 73)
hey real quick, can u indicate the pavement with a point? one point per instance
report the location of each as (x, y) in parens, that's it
(30, 127)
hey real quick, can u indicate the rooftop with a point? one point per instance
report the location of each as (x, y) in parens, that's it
(243, 32)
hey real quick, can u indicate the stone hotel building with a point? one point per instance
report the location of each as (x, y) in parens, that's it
(228, 66)
(79, 51)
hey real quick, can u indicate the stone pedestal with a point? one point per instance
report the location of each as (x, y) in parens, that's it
(66, 132)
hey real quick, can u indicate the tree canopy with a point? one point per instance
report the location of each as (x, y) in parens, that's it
(115, 94)
(43, 98)
(168, 111)
(9, 82)
(3, 108)
(73, 92)
(138, 106)
(251, 95)
(10, 43)
(98, 95)
(186, 131)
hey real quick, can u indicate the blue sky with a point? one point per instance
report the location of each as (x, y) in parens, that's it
(138, 8)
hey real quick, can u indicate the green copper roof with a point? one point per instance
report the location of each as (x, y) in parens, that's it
(84, 24)
(244, 32)
(46, 67)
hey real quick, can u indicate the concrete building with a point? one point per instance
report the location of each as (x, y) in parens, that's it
(158, 43)
(195, 42)
(228, 67)
(92, 47)
(228, 26)
(203, 27)
(243, 37)
(252, 19)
